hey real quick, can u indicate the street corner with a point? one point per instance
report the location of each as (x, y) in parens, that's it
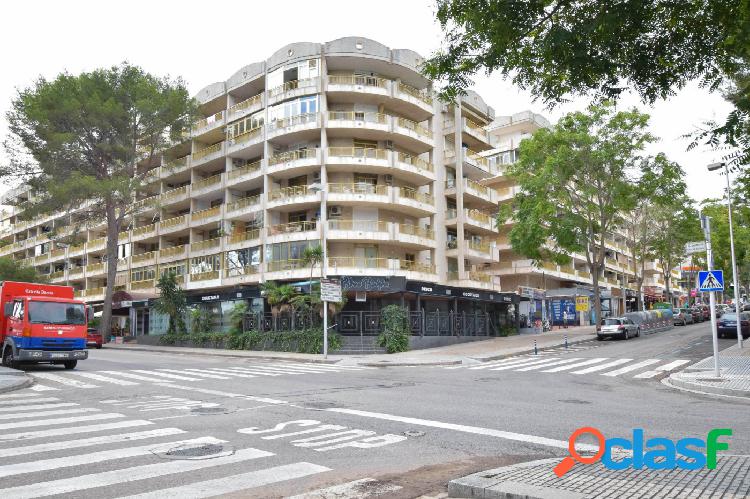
(732, 385)
(13, 379)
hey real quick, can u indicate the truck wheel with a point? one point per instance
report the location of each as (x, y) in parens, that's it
(70, 364)
(8, 360)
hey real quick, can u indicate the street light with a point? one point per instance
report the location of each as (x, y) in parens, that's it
(713, 167)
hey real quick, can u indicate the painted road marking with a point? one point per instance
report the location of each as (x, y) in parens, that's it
(662, 369)
(160, 403)
(126, 475)
(30, 435)
(130, 375)
(63, 380)
(228, 394)
(236, 483)
(42, 388)
(26, 401)
(365, 487)
(228, 372)
(37, 407)
(476, 430)
(576, 365)
(90, 442)
(21, 395)
(98, 457)
(105, 379)
(602, 367)
(165, 375)
(631, 367)
(194, 372)
(526, 363)
(57, 421)
(44, 414)
(548, 364)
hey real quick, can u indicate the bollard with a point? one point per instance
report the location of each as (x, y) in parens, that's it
(536, 352)
(566, 342)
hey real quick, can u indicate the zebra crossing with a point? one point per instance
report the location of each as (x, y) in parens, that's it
(52, 381)
(131, 456)
(551, 363)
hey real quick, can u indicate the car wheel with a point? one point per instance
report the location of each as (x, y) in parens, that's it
(599, 337)
(625, 335)
(98, 347)
(638, 333)
(8, 360)
(70, 364)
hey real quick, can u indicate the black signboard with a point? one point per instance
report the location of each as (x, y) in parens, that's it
(383, 284)
(431, 289)
(223, 295)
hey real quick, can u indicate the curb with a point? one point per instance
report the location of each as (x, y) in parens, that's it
(410, 364)
(217, 354)
(524, 352)
(25, 382)
(711, 390)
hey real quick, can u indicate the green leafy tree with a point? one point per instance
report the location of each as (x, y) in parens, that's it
(171, 302)
(11, 270)
(83, 142)
(559, 48)
(575, 182)
(395, 329)
(312, 256)
(717, 210)
(278, 296)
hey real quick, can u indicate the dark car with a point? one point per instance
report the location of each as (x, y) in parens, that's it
(94, 338)
(622, 327)
(697, 314)
(727, 325)
(682, 316)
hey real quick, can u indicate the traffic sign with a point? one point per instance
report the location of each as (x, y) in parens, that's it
(330, 290)
(695, 247)
(711, 280)
(582, 303)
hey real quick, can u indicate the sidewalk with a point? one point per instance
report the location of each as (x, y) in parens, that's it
(463, 353)
(734, 364)
(11, 379)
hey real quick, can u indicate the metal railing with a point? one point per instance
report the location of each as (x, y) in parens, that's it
(481, 161)
(243, 236)
(358, 225)
(357, 80)
(378, 118)
(358, 152)
(293, 85)
(206, 151)
(245, 136)
(243, 203)
(283, 157)
(214, 118)
(415, 230)
(255, 99)
(282, 265)
(414, 92)
(481, 246)
(204, 276)
(146, 229)
(415, 161)
(358, 188)
(242, 271)
(204, 214)
(142, 257)
(415, 127)
(289, 192)
(172, 222)
(476, 129)
(145, 284)
(148, 202)
(173, 193)
(415, 195)
(299, 119)
(207, 182)
(478, 216)
(292, 227)
(244, 170)
(173, 251)
(205, 244)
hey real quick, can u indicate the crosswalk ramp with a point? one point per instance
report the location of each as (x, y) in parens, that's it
(51, 381)
(115, 456)
(604, 366)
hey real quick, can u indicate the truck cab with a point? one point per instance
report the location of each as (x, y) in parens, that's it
(42, 323)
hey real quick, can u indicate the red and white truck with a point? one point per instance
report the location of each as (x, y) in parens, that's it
(41, 323)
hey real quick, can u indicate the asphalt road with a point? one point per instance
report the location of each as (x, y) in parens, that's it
(126, 423)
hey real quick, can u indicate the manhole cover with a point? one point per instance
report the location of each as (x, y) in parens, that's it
(414, 433)
(209, 410)
(194, 451)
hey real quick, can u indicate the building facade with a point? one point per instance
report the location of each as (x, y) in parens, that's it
(341, 144)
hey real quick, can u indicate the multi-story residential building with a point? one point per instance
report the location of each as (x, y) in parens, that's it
(554, 281)
(341, 144)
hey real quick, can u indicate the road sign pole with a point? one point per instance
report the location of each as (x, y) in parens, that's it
(325, 329)
(712, 295)
(734, 262)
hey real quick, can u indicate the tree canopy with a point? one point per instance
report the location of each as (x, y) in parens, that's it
(10, 270)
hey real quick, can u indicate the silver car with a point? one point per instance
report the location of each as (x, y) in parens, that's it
(620, 327)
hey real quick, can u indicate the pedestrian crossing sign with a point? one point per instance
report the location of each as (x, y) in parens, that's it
(711, 280)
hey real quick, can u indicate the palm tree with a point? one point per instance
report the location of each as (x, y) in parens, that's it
(278, 296)
(312, 256)
(171, 302)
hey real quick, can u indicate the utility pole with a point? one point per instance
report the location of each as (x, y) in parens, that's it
(706, 224)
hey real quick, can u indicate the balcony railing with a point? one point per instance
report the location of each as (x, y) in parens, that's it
(414, 127)
(204, 276)
(240, 106)
(299, 119)
(245, 136)
(207, 182)
(415, 195)
(148, 202)
(476, 129)
(208, 121)
(243, 203)
(173, 251)
(361, 262)
(281, 265)
(451, 213)
(57, 253)
(480, 189)
(483, 162)
(413, 266)
(415, 230)
(206, 244)
(378, 118)
(97, 243)
(358, 188)
(475, 275)
(292, 85)
(206, 151)
(292, 227)
(145, 284)
(204, 214)
(358, 225)
(146, 229)
(243, 236)
(57, 275)
(283, 157)
(173, 193)
(175, 165)
(244, 170)
(478, 216)
(95, 268)
(414, 92)
(289, 192)
(172, 222)
(357, 80)
(358, 152)
(142, 257)
(481, 246)
(415, 161)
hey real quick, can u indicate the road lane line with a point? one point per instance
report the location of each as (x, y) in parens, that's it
(57, 463)
(29, 401)
(42, 388)
(602, 367)
(63, 380)
(356, 488)
(525, 364)
(44, 414)
(195, 372)
(58, 421)
(632, 367)
(476, 430)
(576, 365)
(136, 376)
(105, 379)
(542, 366)
(237, 483)
(22, 395)
(90, 442)
(498, 363)
(37, 407)
(165, 375)
(661, 369)
(259, 372)
(227, 394)
(229, 372)
(126, 475)
(71, 430)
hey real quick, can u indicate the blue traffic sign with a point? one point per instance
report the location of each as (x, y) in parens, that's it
(711, 280)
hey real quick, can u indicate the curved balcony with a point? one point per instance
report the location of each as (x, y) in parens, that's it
(414, 202)
(174, 196)
(245, 140)
(210, 153)
(365, 125)
(245, 107)
(294, 124)
(415, 236)
(421, 100)
(416, 137)
(242, 239)
(207, 185)
(173, 253)
(202, 217)
(293, 231)
(353, 265)
(479, 221)
(376, 231)
(476, 251)
(416, 169)
(473, 191)
(244, 175)
(357, 87)
(293, 198)
(173, 224)
(293, 163)
(277, 270)
(475, 136)
(476, 165)
(207, 124)
(243, 206)
(292, 89)
(358, 193)
(366, 159)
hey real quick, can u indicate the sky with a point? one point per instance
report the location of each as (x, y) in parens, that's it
(204, 42)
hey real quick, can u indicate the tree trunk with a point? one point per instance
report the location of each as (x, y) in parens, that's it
(597, 296)
(113, 229)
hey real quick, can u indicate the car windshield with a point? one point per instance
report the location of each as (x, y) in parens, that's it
(45, 312)
(611, 322)
(730, 317)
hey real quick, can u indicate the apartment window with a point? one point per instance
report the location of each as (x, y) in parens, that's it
(288, 251)
(238, 261)
(365, 144)
(298, 181)
(176, 269)
(410, 257)
(365, 178)
(202, 264)
(143, 274)
(297, 216)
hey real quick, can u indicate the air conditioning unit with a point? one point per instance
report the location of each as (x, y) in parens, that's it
(316, 176)
(388, 179)
(389, 145)
(335, 211)
(238, 162)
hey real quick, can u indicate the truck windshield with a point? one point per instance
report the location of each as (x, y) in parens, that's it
(46, 312)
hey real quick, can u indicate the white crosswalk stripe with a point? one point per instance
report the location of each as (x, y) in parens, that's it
(630, 368)
(229, 372)
(602, 367)
(105, 379)
(261, 372)
(662, 369)
(27, 401)
(166, 375)
(59, 421)
(576, 365)
(547, 364)
(62, 380)
(38, 414)
(55, 432)
(42, 388)
(21, 395)
(36, 407)
(525, 363)
(195, 372)
(126, 374)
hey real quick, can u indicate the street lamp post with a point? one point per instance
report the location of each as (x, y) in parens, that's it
(713, 167)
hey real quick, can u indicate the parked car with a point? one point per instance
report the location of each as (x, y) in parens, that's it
(622, 327)
(727, 325)
(682, 316)
(94, 338)
(706, 310)
(697, 314)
